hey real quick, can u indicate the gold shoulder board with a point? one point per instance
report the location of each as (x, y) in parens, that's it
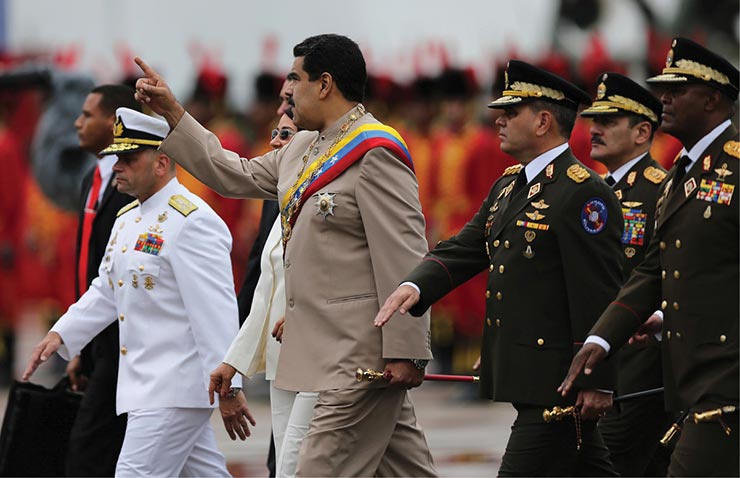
(733, 148)
(182, 204)
(654, 175)
(578, 173)
(512, 170)
(128, 207)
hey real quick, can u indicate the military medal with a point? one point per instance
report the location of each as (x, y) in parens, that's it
(708, 212)
(529, 235)
(325, 204)
(541, 204)
(149, 243)
(135, 281)
(155, 229)
(162, 217)
(630, 252)
(534, 190)
(535, 216)
(148, 282)
(528, 252)
(689, 186)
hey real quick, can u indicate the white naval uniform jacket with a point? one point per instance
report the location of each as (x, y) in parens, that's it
(254, 350)
(176, 308)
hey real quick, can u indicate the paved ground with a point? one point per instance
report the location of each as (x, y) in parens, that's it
(467, 437)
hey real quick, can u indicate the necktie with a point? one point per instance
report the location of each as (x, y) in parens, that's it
(681, 170)
(610, 181)
(521, 181)
(87, 222)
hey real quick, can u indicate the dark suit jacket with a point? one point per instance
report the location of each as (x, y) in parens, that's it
(270, 211)
(639, 365)
(549, 277)
(105, 345)
(691, 272)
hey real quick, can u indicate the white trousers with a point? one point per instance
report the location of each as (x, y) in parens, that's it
(291, 415)
(170, 442)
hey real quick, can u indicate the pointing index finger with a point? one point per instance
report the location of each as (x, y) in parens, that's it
(148, 70)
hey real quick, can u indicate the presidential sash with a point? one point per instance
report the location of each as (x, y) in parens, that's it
(334, 162)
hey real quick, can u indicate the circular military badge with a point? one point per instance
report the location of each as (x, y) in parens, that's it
(594, 215)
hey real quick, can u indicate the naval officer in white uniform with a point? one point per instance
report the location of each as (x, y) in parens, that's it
(166, 278)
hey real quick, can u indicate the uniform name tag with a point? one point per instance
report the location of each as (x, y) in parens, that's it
(149, 243)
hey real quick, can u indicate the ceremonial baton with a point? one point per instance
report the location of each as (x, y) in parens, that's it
(369, 375)
(558, 413)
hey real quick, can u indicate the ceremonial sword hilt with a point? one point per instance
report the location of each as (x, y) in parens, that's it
(557, 413)
(368, 375)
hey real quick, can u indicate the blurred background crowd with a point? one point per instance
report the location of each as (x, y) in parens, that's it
(441, 112)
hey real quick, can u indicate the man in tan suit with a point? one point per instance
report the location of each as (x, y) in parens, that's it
(352, 227)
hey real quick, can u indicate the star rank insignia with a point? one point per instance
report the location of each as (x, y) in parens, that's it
(325, 204)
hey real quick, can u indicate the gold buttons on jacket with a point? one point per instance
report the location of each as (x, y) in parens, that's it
(676, 274)
(501, 269)
(496, 243)
(490, 268)
(123, 350)
(678, 243)
(120, 283)
(507, 244)
(107, 258)
(678, 335)
(540, 342)
(664, 304)
(488, 321)
(124, 249)
(662, 274)
(141, 267)
(675, 305)
(499, 295)
(138, 219)
(120, 317)
(663, 245)
(723, 338)
(498, 322)
(668, 334)
(488, 294)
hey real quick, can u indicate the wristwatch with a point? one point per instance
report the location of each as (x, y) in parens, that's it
(233, 392)
(421, 364)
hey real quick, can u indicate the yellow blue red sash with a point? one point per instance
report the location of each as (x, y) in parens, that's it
(334, 162)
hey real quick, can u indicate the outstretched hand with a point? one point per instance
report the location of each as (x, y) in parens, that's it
(154, 92)
(584, 361)
(41, 353)
(402, 299)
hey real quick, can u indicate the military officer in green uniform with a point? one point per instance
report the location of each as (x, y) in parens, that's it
(549, 235)
(690, 269)
(624, 119)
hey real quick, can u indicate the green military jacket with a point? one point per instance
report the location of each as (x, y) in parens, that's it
(639, 365)
(552, 252)
(691, 272)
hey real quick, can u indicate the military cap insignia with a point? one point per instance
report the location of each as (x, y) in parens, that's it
(181, 204)
(722, 172)
(654, 175)
(127, 208)
(732, 148)
(594, 215)
(578, 173)
(512, 170)
(601, 90)
(118, 128)
(669, 56)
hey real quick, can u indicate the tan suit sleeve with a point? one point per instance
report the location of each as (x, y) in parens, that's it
(388, 198)
(200, 152)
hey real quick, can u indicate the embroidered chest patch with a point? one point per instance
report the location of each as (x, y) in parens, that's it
(594, 216)
(634, 226)
(715, 191)
(149, 243)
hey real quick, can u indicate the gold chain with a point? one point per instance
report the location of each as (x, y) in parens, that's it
(342, 132)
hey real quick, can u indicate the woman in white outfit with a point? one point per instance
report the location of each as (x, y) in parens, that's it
(254, 352)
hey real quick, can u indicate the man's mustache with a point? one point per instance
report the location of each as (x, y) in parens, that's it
(597, 140)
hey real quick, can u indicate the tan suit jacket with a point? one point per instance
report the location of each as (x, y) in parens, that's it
(338, 269)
